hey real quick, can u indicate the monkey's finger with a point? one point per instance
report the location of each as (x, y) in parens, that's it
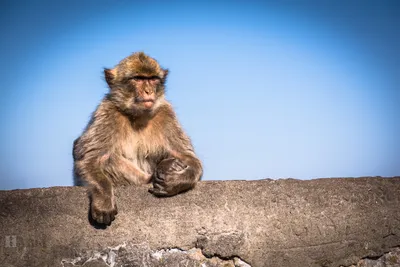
(175, 166)
(112, 215)
(159, 193)
(159, 181)
(155, 187)
(160, 174)
(97, 216)
(180, 164)
(107, 218)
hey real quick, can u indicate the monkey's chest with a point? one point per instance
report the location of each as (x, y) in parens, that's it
(145, 151)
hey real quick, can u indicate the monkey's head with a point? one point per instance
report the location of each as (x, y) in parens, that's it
(137, 84)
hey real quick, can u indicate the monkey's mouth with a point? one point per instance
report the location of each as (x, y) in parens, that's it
(148, 103)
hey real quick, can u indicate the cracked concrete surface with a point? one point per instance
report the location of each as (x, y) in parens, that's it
(141, 255)
(389, 259)
(322, 222)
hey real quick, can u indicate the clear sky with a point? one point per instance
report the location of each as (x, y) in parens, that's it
(300, 89)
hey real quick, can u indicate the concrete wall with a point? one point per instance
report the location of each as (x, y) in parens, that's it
(322, 222)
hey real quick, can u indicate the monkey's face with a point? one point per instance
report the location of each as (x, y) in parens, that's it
(137, 84)
(146, 90)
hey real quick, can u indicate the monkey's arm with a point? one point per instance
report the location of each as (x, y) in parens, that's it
(181, 170)
(87, 159)
(92, 153)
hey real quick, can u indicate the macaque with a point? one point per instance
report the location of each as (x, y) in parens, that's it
(135, 138)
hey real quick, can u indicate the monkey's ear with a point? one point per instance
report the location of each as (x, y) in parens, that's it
(165, 74)
(109, 74)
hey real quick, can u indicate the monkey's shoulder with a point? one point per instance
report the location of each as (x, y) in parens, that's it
(165, 116)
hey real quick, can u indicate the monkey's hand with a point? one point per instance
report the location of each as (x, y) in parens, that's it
(170, 178)
(103, 209)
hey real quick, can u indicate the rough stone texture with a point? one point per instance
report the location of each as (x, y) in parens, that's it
(322, 222)
(390, 259)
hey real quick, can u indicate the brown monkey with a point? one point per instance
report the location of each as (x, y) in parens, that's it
(134, 137)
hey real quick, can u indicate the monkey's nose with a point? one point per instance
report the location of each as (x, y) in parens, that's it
(148, 91)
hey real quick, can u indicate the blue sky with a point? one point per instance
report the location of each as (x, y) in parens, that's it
(300, 89)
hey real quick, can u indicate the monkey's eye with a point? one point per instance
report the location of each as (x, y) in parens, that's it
(145, 78)
(154, 78)
(139, 78)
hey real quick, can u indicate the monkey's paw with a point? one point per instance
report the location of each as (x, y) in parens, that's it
(103, 210)
(170, 178)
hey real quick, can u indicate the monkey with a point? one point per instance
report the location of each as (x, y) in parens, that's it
(134, 138)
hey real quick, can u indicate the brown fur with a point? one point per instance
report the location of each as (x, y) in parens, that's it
(134, 137)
